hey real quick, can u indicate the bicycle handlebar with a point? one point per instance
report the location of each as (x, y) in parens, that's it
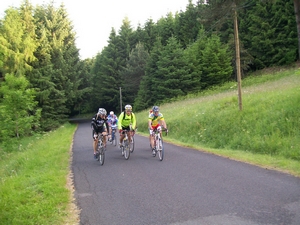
(163, 129)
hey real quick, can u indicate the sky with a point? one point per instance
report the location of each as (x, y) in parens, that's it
(94, 19)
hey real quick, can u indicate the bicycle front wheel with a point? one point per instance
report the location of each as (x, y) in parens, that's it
(101, 155)
(160, 149)
(126, 149)
(132, 144)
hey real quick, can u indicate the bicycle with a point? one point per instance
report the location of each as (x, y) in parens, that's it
(100, 151)
(158, 143)
(132, 138)
(125, 147)
(113, 135)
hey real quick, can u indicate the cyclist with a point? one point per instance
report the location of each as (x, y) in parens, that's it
(99, 125)
(155, 118)
(126, 119)
(112, 121)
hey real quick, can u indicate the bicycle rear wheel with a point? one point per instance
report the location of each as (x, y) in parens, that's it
(114, 142)
(126, 149)
(160, 149)
(114, 137)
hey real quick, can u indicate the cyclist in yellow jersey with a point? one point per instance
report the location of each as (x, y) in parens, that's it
(125, 120)
(156, 119)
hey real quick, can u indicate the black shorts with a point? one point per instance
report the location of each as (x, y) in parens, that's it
(126, 128)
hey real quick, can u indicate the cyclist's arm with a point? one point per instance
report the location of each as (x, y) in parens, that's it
(120, 121)
(105, 125)
(149, 124)
(133, 121)
(164, 124)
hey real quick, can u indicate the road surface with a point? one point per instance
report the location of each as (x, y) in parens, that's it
(188, 187)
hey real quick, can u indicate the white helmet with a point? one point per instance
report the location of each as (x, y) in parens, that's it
(128, 107)
(111, 113)
(102, 111)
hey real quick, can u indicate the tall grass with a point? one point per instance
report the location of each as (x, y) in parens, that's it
(33, 180)
(268, 125)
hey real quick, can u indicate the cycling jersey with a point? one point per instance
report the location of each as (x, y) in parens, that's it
(125, 121)
(112, 120)
(155, 119)
(98, 124)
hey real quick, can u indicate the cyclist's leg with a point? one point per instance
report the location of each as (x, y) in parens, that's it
(122, 135)
(151, 137)
(110, 132)
(104, 137)
(129, 135)
(95, 142)
(159, 129)
(113, 133)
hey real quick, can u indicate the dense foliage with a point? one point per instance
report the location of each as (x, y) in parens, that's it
(174, 56)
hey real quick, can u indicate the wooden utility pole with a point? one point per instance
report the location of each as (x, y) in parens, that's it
(237, 58)
(120, 100)
(297, 14)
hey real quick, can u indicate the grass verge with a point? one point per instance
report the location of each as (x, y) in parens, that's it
(35, 181)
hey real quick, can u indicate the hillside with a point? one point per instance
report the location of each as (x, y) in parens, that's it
(265, 132)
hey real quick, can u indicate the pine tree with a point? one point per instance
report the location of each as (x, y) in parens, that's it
(187, 24)
(150, 35)
(269, 33)
(133, 73)
(17, 42)
(172, 77)
(166, 28)
(215, 62)
(55, 74)
(106, 75)
(83, 97)
(124, 46)
(147, 89)
(285, 37)
(72, 63)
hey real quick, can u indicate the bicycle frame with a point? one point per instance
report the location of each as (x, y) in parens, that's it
(125, 145)
(113, 136)
(158, 143)
(100, 149)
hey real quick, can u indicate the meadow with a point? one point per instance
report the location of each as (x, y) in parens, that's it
(266, 132)
(36, 179)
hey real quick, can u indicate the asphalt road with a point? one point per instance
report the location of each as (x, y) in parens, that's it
(188, 187)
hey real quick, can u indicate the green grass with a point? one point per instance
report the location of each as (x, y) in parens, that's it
(33, 187)
(265, 133)
(35, 181)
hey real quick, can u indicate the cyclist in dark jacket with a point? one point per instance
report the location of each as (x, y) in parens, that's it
(99, 125)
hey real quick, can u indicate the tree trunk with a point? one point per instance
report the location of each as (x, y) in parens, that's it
(297, 13)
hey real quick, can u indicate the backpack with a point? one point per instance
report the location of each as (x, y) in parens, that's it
(125, 113)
